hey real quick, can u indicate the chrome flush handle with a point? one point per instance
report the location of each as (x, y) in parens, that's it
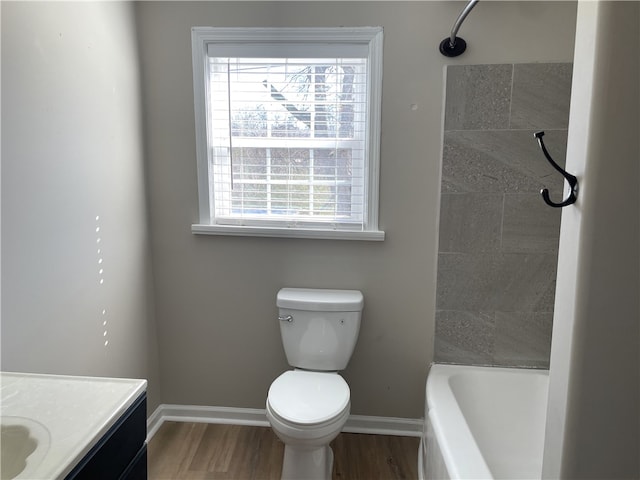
(285, 318)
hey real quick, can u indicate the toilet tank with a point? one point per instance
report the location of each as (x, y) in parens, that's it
(319, 327)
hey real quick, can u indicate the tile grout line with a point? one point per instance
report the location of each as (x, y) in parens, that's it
(513, 74)
(504, 200)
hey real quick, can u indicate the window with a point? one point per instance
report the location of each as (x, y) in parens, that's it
(288, 131)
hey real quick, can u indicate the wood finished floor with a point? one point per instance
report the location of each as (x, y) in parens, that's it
(200, 451)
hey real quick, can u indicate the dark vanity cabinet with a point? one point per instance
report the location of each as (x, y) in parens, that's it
(121, 454)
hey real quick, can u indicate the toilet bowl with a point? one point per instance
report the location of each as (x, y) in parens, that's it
(307, 410)
(308, 406)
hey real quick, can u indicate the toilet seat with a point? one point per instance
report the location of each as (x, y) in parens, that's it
(308, 398)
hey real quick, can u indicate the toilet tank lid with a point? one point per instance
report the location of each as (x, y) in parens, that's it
(320, 299)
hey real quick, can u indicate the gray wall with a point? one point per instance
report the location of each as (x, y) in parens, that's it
(72, 163)
(215, 296)
(498, 241)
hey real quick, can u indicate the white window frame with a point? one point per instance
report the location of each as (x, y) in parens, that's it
(203, 37)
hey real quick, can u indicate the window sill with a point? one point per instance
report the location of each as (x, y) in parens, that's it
(243, 231)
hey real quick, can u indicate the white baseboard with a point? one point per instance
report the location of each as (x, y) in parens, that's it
(401, 427)
(404, 427)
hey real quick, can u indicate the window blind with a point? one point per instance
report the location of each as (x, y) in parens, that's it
(287, 136)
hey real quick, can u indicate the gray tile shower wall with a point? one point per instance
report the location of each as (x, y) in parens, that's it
(498, 240)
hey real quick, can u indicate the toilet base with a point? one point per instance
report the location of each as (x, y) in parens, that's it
(307, 463)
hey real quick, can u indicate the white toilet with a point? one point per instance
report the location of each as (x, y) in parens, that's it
(308, 406)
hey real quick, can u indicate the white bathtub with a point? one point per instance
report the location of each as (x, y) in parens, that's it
(483, 423)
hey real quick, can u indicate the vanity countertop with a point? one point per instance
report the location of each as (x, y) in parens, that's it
(75, 412)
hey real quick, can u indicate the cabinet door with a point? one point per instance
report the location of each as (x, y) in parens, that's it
(119, 447)
(137, 469)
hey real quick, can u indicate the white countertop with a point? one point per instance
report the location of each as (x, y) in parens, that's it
(75, 411)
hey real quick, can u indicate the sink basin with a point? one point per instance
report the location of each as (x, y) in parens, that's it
(23, 444)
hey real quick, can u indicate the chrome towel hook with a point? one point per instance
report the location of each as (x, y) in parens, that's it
(571, 179)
